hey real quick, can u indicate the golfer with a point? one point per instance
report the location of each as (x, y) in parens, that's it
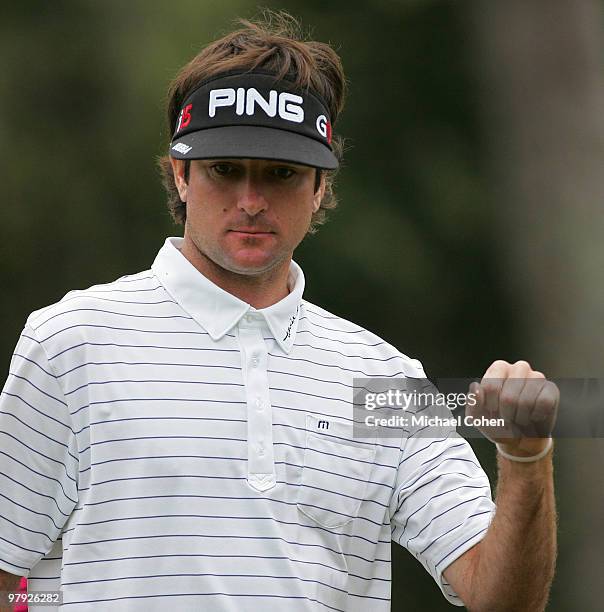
(182, 438)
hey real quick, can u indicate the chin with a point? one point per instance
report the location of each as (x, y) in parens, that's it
(251, 269)
(253, 265)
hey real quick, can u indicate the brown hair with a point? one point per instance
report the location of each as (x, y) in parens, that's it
(275, 43)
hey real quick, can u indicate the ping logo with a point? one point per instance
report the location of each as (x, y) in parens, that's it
(324, 127)
(287, 105)
(323, 425)
(181, 147)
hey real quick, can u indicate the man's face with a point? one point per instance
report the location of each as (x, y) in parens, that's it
(247, 215)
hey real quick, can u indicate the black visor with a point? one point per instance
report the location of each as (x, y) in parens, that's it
(253, 115)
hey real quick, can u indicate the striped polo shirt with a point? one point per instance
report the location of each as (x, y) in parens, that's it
(164, 445)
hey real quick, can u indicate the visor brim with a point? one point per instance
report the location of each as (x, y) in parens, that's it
(254, 142)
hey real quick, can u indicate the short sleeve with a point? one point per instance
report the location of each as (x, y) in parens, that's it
(38, 458)
(441, 504)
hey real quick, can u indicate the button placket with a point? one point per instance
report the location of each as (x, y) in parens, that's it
(260, 458)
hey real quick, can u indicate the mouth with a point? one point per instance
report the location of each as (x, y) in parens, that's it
(244, 231)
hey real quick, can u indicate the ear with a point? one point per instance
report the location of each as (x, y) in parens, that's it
(178, 168)
(318, 196)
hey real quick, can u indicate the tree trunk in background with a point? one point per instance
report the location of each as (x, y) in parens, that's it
(540, 66)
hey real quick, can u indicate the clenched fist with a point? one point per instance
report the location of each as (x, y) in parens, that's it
(526, 402)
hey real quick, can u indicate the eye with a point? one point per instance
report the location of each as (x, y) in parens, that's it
(222, 169)
(283, 172)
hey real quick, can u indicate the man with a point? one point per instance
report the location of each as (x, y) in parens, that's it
(183, 436)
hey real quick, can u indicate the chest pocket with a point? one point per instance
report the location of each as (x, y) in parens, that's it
(335, 474)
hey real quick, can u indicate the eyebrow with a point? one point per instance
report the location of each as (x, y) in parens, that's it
(271, 162)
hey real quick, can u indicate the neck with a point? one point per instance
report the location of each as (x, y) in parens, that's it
(260, 290)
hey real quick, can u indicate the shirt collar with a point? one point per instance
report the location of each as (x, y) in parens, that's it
(218, 311)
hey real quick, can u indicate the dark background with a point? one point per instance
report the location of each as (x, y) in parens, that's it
(424, 248)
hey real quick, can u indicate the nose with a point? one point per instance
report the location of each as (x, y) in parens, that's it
(250, 197)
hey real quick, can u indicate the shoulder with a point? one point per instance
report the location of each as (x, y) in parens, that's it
(326, 329)
(122, 296)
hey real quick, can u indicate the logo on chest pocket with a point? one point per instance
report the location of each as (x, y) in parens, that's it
(335, 475)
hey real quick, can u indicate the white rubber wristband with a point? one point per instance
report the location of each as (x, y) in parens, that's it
(542, 454)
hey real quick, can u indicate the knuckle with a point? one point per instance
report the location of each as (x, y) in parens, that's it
(522, 364)
(500, 363)
(550, 390)
(490, 387)
(546, 403)
(507, 399)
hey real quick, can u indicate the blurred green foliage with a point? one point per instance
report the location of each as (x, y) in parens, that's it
(408, 252)
(81, 97)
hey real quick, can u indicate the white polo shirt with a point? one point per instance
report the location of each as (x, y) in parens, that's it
(161, 448)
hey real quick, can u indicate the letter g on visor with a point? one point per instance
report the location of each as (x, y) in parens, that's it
(254, 115)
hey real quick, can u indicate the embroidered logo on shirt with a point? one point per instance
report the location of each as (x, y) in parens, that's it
(290, 324)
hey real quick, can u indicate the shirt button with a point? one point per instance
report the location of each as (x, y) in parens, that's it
(255, 361)
(261, 449)
(258, 403)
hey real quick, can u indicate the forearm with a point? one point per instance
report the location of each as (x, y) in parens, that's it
(515, 561)
(8, 582)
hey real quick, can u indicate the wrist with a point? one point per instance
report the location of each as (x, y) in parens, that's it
(524, 452)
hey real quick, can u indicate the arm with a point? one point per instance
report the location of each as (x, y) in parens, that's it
(513, 566)
(40, 465)
(8, 582)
